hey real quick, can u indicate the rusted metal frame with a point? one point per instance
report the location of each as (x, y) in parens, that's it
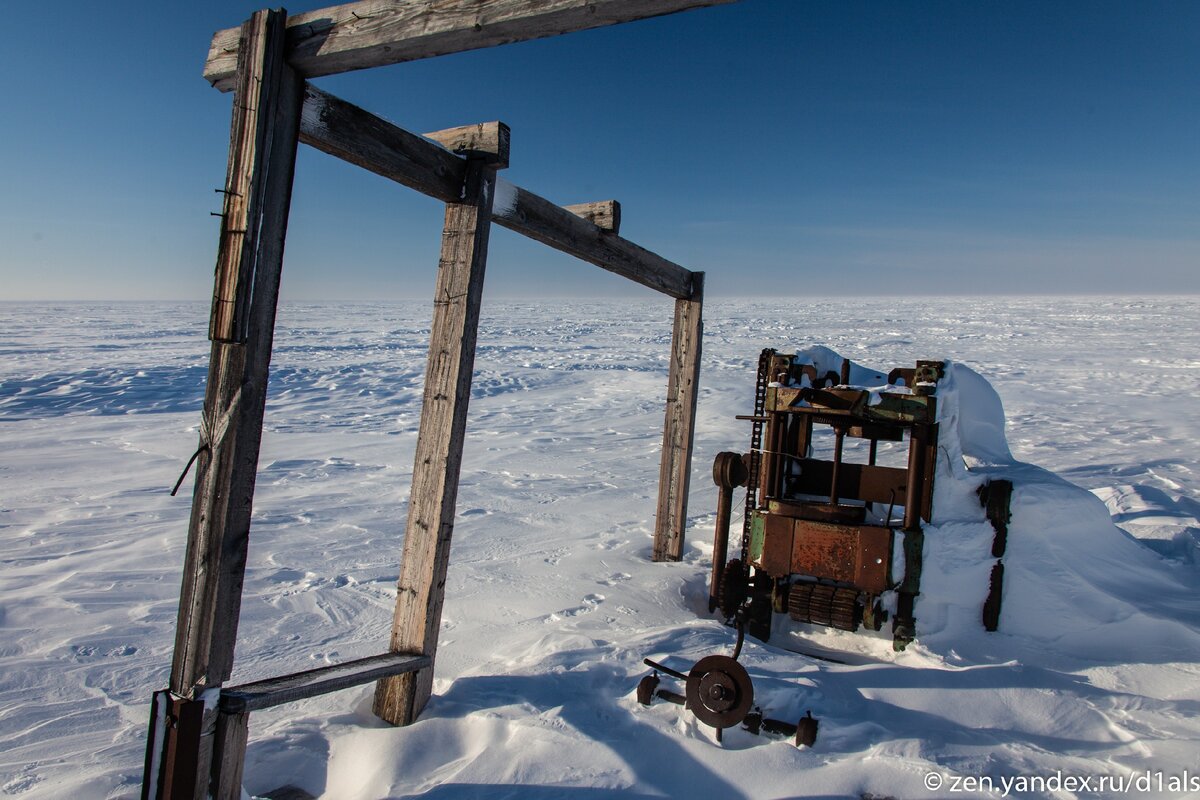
(922, 454)
(772, 455)
(171, 769)
(854, 554)
(729, 472)
(996, 498)
(865, 482)
(839, 438)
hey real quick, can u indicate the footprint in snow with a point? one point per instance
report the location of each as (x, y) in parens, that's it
(589, 605)
(20, 784)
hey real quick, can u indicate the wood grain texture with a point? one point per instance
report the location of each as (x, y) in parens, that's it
(373, 33)
(426, 555)
(231, 292)
(233, 408)
(265, 137)
(346, 131)
(313, 682)
(605, 214)
(487, 140)
(552, 225)
(683, 382)
(229, 755)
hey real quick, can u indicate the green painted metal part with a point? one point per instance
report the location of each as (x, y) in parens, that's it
(757, 536)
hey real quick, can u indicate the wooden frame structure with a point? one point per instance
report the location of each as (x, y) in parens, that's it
(199, 727)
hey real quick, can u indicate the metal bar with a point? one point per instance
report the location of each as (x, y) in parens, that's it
(666, 670)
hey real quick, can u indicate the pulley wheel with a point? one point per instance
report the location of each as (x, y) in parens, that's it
(719, 691)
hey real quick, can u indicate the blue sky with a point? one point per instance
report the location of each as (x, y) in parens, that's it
(802, 147)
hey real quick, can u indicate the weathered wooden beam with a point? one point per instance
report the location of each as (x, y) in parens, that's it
(373, 33)
(243, 191)
(346, 131)
(431, 503)
(229, 755)
(235, 396)
(350, 133)
(313, 682)
(605, 215)
(264, 134)
(683, 381)
(526, 213)
(487, 140)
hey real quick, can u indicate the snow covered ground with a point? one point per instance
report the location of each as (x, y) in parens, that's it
(552, 601)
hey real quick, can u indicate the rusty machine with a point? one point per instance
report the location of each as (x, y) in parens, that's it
(825, 540)
(830, 542)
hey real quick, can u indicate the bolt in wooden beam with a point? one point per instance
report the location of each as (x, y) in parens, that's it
(431, 505)
(374, 33)
(683, 383)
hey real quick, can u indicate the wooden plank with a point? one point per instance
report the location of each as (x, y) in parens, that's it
(487, 140)
(373, 33)
(311, 683)
(526, 213)
(235, 256)
(231, 427)
(431, 504)
(346, 131)
(605, 214)
(233, 407)
(229, 755)
(683, 383)
(350, 133)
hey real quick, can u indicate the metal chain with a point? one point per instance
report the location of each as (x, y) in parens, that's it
(756, 430)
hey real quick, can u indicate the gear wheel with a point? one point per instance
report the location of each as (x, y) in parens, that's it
(821, 604)
(734, 588)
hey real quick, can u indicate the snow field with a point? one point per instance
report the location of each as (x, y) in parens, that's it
(551, 601)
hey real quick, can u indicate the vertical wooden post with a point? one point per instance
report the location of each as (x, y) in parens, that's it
(263, 138)
(431, 503)
(229, 755)
(674, 476)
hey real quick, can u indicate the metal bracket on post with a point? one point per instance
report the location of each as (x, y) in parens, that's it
(176, 726)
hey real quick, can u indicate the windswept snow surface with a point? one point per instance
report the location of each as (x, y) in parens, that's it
(552, 602)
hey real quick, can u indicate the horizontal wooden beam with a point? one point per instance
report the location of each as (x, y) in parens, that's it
(486, 140)
(605, 215)
(348, 132)
(543, 221)
(342, 129)
(314, 682)
(373, 33)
